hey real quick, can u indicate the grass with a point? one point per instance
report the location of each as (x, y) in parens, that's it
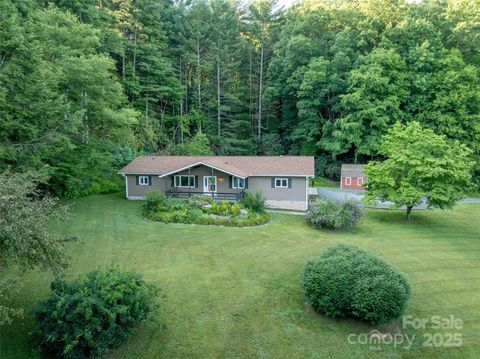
(234, 292)
(323, 182)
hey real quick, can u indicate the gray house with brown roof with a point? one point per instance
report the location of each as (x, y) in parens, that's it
(283, 180)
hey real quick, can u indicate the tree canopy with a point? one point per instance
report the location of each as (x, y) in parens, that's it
(25, 241)
(86, 85)
(419, 165)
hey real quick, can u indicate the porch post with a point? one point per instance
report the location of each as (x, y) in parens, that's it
(189, 168)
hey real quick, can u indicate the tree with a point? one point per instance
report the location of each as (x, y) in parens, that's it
(198, 145)
(419, 165)
(25, 240)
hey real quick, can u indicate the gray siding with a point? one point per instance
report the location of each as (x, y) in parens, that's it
(264, 184)
(293, 198)
(137, 191)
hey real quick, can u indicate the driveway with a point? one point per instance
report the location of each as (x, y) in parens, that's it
(340, 195)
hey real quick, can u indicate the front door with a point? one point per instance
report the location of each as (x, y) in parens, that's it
(210, 184)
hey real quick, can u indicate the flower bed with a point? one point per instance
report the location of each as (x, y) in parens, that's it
(204, 210)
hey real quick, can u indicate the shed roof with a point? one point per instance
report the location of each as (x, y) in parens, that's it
(351, 170)
(242, 166)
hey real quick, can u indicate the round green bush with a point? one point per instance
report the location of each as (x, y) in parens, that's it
(329, 214)
(346, 281)
(86, 318)
(255, 202)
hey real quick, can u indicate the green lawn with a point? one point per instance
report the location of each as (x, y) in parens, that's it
(234, 292)
(323, 182)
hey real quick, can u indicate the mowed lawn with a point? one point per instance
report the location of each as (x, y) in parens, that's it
(234, 292)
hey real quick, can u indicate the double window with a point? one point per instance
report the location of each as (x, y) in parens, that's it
(143, 181)
(359, 181)
(348, 181)
(238, 182)
(185, 181)
(281, 182)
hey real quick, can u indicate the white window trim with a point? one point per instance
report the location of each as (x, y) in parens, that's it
(359, 181)
(238, 180)
(348, 181)
(180, 181)
(141, 181)
(281, 179)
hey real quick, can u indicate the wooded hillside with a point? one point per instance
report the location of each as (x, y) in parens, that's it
(86, 85)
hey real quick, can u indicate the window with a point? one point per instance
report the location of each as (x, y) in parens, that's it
(348, 181)
(185, 181)
(359, 181)
(143, 180)
(281, 182)
(238, 182)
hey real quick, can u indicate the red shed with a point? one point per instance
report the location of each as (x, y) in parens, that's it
(353, 177)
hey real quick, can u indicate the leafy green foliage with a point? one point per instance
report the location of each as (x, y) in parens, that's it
(84, 88)
(254, 201)
(345, 281)
(419, 165)
(86, 318)
(336, 90)
(200, 209)
(155, 201)
(329, 214)
(199, 201)
(25, 239)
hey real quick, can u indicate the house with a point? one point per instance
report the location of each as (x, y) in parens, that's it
(283, 180)
(352, 177)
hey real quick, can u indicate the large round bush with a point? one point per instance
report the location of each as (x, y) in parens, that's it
(347, 281)
(329, 214)
(85, 318)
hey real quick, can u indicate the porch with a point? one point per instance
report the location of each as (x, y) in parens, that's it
(217, 196)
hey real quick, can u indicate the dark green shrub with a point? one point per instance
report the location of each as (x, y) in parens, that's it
(255, 202)
(103, 187)
(177, 205)
(86, 318)
(328, 214)
(347, 281)
(155, 201)
(193, 215)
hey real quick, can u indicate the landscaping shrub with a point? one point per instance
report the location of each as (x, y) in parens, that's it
(198, 201)
(160, 208)
(255, 202)
(177, 205)
(154, 201)
(347, 281)
(86, 318)
(220, 208)
(328, 214)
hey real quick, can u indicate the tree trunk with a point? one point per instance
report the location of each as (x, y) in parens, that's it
(134, 52)
(409, 210)
(218, 98)
(181, 104)
(199, 90)
(259, 129)
(250, 107)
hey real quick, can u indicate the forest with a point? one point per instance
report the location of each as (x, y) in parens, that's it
(87, 85)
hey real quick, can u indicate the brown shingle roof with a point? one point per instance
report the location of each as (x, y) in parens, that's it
(242, 166)
(349, 170)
